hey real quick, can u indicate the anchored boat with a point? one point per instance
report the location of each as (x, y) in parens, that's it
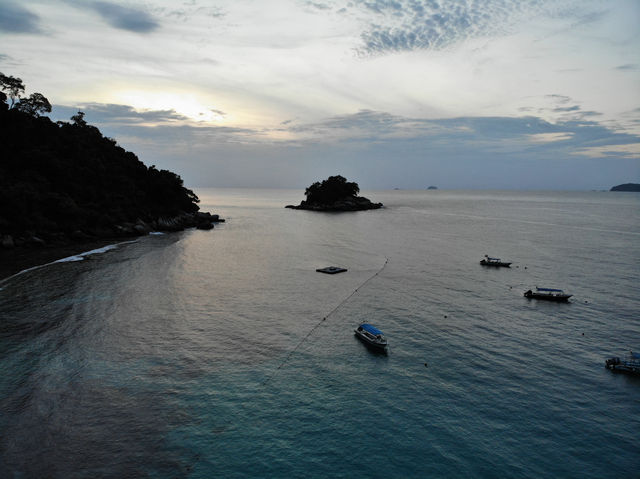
(371, 335)
(489, 261)
(630, 364)
(331, 270)
(548, 293)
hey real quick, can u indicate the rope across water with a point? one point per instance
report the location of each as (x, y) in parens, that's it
(286, 359)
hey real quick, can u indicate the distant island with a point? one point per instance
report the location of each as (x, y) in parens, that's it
(335, 194)
(62, 182)
(627, 187)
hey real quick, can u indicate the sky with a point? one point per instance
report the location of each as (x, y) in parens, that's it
(461, 94)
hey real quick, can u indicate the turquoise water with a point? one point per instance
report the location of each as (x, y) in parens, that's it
(224, 354)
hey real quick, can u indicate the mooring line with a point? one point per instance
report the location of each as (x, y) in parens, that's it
(322, 320)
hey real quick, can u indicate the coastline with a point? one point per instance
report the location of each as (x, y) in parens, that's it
(15, 260)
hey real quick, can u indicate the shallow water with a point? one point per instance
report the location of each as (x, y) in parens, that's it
(223, 353)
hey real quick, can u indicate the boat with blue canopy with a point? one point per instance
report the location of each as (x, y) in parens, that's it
(630, 364)
(371, 335)
(550, 294)
(489, 261)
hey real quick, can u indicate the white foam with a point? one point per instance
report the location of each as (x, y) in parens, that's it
(156, 233)
(81, 256)
(68, 259)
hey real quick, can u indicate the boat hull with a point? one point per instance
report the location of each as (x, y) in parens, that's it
(380, 346)
(496, 264)
(558, 298)
(627, 366)
(331, 270)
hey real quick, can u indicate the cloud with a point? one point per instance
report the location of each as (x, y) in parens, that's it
(629, 150)
(124, 18)
(629, 67)
(550, 137)
(380, 149)
(318, 5)
(401, 25)
(121, 115)
(17, 19)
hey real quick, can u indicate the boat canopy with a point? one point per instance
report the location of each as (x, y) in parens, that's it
(493, 259)
(550, 289)
(371, 329)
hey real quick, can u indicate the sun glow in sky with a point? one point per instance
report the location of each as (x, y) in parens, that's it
(283, 92)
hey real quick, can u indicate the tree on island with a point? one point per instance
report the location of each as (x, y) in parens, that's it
(335, 194)
(332, 189)
(627, 187)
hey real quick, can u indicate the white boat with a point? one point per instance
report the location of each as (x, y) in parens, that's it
(371, 335)
(489, 261)
(548, 294)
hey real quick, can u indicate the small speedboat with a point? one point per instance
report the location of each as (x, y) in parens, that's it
(371, 335)
(630, 364)
(489, 261)
(548, 294)
(331, 270)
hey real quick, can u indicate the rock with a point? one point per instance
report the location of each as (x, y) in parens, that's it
(78, 235)
(35, 241)
(7, 242)
(357, 203)
(205, 225)
(141, 227)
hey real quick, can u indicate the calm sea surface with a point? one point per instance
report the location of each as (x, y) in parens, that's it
(224, 354)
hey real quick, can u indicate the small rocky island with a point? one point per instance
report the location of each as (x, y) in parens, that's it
(63, 183)
(627, 187)
(335, 194)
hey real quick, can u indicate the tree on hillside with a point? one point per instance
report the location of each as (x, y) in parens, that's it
(35, 105)
(78, 119)
(13, 86)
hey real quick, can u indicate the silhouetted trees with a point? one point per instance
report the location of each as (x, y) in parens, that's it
(62, 177)
(35, 105)
(332, 189)
(13, 86)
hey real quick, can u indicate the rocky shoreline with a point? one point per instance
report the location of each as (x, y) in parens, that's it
(356, 203)
(28, 249)
(31, 239)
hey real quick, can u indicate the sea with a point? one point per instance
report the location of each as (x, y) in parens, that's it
(223, 353)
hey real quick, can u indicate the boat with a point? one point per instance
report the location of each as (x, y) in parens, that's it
(371, 335)
(331, 270)
(630, 364)
(547, 293)
(489, 261)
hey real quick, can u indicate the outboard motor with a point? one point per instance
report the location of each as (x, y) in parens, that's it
(612, 362)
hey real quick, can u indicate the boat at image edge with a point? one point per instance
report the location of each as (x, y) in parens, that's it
(630, 364)
(548, 294)
(489, 261)
(371, 335)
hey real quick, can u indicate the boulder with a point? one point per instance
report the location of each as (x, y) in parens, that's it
(7, 241)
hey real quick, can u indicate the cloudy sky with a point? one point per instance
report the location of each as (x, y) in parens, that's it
(532, 94)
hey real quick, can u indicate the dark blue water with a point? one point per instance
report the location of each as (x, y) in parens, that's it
(184, 355)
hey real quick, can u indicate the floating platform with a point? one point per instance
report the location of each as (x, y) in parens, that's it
(331, 270)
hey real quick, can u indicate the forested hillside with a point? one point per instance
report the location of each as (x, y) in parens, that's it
(64, 179)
